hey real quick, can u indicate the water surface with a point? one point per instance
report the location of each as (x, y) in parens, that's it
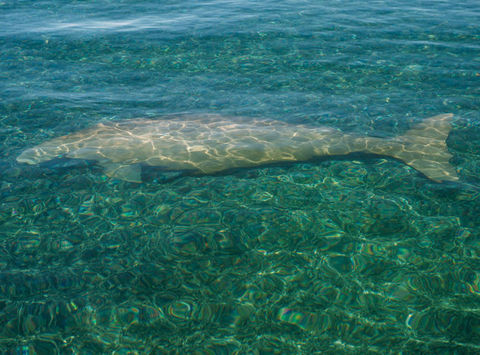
(361, 254)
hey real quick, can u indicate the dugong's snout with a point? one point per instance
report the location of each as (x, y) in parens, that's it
(37, 155)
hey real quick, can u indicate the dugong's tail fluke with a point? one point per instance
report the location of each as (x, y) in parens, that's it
(424, 148)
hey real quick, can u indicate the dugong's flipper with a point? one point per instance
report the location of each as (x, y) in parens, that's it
(131, 173)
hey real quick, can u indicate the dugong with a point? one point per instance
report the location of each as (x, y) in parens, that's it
(212, 143)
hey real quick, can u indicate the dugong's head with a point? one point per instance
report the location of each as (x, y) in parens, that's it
(41, 153)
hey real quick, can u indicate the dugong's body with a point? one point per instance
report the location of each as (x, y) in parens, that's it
(210, 144)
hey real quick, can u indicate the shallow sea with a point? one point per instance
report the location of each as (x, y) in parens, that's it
(360, 254)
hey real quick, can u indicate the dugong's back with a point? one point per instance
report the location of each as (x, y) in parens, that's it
(213, 143)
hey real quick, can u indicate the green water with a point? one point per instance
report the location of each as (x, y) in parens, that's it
(360, 254)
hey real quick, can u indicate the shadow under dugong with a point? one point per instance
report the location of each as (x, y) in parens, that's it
(212, 143)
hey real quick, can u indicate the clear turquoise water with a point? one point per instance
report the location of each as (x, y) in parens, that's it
(361, 254)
